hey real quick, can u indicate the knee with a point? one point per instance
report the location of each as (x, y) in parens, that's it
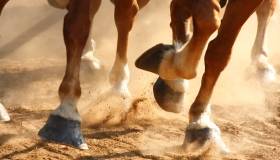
(207, 17)
(266, 8)
(208, 24)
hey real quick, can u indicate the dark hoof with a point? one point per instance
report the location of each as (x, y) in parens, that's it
(150, 60)
(198, 135)
(60, 130)
(197, 141)
(167, 98)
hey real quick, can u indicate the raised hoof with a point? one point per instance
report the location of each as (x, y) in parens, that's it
(60, 130)
(167, 98)
(150, 60)
(197, 141)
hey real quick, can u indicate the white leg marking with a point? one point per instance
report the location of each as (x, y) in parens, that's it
(83, 146)
(205, 122)
(262, 64)
(178, 45)
(179, 85)
(4, 116)
(185, 63)
(67, 109)
(119, 77)
(174, 65)
(167, 70)
(88, 57)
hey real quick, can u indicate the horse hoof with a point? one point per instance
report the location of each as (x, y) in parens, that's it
(151, 59)
(4, 116)
(60, 130)
(199, 140)
(168, 99)
(267, 75)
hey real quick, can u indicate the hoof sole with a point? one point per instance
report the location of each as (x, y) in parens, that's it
(167, 98)
(60, 130)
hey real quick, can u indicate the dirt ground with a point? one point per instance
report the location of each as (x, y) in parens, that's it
(32, 57)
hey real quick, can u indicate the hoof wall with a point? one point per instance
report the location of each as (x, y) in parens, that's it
(197, 141)
(150, 60)
(198, 135)
(60, 130)
(167, 98)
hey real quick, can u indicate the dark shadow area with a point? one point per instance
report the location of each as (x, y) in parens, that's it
(27, 35)
(112, 134)
(11, 81)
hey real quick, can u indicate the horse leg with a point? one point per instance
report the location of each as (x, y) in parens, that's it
(169, 94)
(161, 58)
(2, 5)
(4, 116)
(63, 125)
(88, 53)
(87, 56)
(201, 129)
(259, 56)
(180, 19)
(125, 12)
